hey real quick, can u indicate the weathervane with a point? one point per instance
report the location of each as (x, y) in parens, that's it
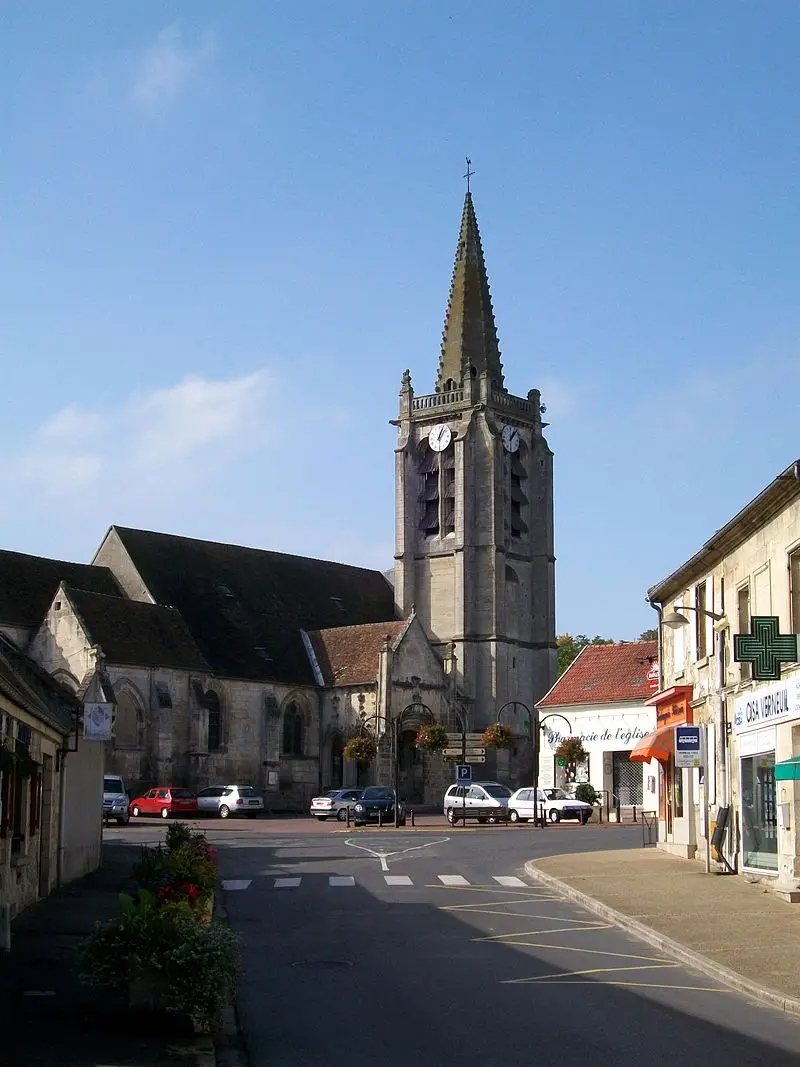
(469, 173)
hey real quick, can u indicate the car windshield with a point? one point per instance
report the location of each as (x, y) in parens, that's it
(377, 794)
(498, 790)
(182, 794)
(556, 794)
(112, 785)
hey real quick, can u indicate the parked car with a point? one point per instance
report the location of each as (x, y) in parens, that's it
(165, 800)
(554, 803)
(115, 800)
(336, 802)
(375, 800)
(484, 801)
(227, 800)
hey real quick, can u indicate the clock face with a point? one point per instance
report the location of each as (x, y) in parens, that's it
(510, 438)
(440, 436)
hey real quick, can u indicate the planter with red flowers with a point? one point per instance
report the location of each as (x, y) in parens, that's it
(431, 738)
(361, 749)
(498, 736)
(571, 750)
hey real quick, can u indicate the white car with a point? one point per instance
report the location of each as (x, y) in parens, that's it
(484, 801)
(554, 803)
(335, 803)
(228, 800)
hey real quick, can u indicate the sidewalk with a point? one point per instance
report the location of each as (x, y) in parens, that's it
(722, 925)
(47, 1017)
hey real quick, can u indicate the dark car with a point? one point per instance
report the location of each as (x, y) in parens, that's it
(377, 801)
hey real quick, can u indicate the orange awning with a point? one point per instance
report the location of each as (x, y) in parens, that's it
(658, 745)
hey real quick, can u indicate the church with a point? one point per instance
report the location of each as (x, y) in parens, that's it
(231, 664)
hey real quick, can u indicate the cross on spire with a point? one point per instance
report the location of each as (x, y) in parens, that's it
(469, 172)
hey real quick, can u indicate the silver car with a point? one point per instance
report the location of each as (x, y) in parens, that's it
(228, 800)
(335, 803)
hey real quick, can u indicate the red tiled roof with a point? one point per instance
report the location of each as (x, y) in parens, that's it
(349, 655)
(605, 673)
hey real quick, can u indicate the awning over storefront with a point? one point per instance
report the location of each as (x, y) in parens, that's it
(660, 745)
(788, 770)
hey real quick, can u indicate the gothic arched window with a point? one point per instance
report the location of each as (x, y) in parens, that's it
(128, 721)
(214, 721)
(293, 731)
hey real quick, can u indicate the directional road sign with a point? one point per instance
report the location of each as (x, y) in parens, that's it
(466, 754)
(458, 759)
(455, 738)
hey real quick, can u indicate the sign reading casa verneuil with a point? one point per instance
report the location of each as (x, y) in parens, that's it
(765, 647)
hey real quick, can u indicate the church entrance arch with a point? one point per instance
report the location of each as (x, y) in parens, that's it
(412, 771)
(337, 762)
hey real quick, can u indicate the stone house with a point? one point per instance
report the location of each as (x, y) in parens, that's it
(749, 569)
(602, 698)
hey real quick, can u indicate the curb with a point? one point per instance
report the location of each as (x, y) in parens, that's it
(228, 1047)
(725, 976)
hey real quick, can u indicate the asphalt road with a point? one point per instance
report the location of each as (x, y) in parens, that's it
(431, 948)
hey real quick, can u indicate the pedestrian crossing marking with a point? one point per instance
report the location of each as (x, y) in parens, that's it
(346, 879)
(446, 881)
(509, 880)
(397, 879)
(236, 883)
(452, 879)
(287, 883)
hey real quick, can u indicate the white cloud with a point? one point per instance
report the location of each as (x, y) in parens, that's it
(167, 66)
(150, 439)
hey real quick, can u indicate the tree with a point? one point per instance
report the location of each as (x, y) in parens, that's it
(568, 648)
(649, 635)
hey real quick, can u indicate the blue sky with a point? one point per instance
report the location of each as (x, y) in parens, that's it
(227, 229)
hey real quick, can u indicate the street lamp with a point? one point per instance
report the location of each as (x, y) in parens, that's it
(421, 711)
(535, 725)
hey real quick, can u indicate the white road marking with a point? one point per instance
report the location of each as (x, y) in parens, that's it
(452, 879)
(236, 883)
(287, 883)
(397, 879)
(509, 880)
(383, 856)
(345, 879)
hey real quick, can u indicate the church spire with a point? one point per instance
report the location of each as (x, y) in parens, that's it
(469, 339)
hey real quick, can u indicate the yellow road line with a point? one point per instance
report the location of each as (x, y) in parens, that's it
(591, 952)
(594, 970)
(644, 985)
(504, 938)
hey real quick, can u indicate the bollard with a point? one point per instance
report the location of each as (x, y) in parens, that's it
(412, 817)
(347, 820)
(380, 818)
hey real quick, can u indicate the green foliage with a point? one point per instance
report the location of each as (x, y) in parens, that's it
(161, 868)
(568, 648)
(571, 750)
(587, 793)
(497, 736)
(649, 635)
(361, 749)
(188, 967)
(431, 738)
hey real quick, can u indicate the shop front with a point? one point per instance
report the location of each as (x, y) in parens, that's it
(766, 726)
(676, 823)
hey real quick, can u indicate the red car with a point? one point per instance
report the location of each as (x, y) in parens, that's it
(165, 800)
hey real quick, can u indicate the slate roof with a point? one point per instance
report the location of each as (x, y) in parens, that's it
(29, 583)
(603, 674)
(32, 688)
(245, 607)
(132, 632)
(349, 655)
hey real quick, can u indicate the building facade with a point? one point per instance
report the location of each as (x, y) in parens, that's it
(749, 569)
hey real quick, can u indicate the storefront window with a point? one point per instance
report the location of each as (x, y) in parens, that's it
(676, 776)
(759, 815)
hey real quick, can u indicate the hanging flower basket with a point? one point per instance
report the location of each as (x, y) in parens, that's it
(571, 750)
(361, 750)
(498, 736)
(431, 738)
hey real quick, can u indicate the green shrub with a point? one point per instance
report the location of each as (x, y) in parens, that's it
(587, 793)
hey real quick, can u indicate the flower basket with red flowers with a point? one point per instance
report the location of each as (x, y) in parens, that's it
(497, 736)
(361, 749)
(432, 738)
(571, 750)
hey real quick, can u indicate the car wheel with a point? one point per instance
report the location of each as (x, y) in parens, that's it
(492, 820)
(585, 818)
(553, 815)
(123, 820)
(164, 813)
(341, 814)
(135, 811)
(481, 818)
(513, 816)
(224, 811)
(452, 818)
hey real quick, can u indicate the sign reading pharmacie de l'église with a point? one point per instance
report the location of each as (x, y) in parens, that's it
(603, 731)
(767, 705)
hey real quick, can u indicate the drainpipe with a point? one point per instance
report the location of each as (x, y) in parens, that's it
(62, 812)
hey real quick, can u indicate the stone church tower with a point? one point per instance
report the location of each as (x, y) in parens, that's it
(474, 509)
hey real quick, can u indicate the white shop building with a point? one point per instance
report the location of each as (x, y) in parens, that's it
(601, 700)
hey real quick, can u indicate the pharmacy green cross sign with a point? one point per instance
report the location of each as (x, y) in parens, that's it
(765, 648)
